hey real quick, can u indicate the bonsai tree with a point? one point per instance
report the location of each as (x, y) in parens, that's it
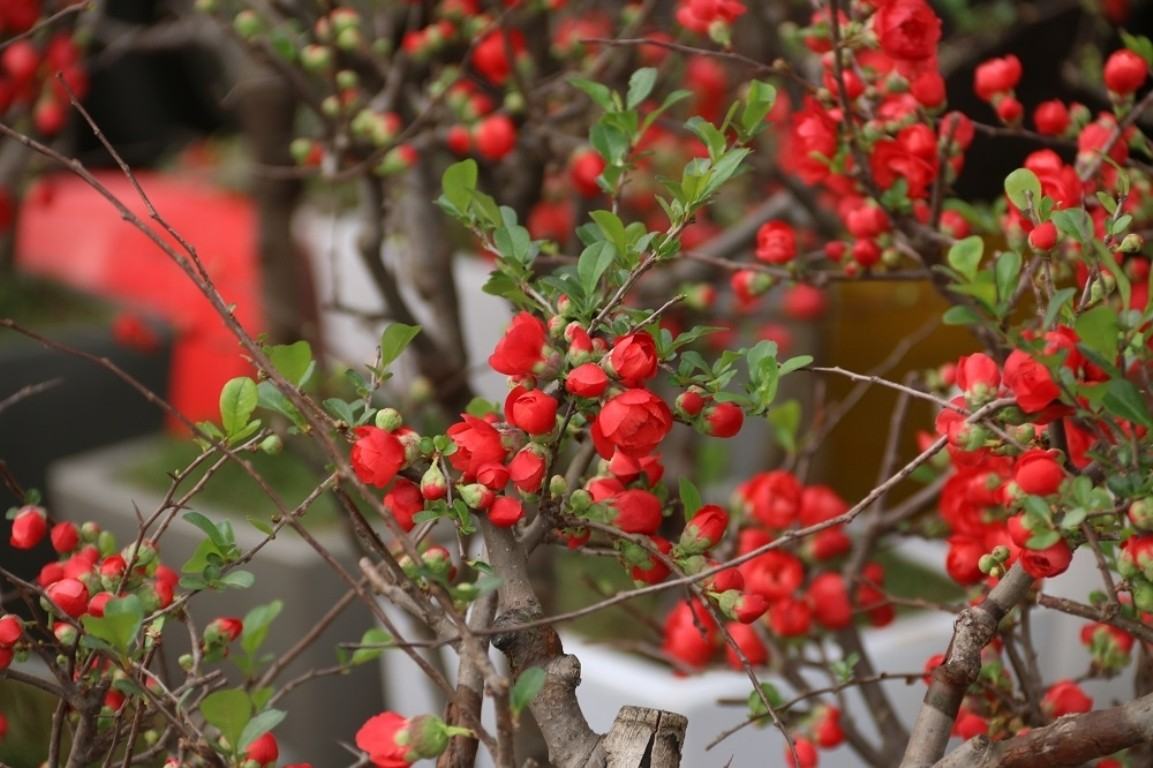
(651, 182)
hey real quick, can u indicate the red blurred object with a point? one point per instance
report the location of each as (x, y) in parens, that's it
(71, 234)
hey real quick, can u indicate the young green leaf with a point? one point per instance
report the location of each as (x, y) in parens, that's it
(1023, 188)
(238, 400)
(229, 710)
(394, 340)
(526, 688)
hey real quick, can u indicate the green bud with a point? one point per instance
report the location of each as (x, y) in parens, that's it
(1132, 243)
(427, 736)
(247, 24)
(185, 661)
(272, 445)
(579, 501)
(346, 79)
(106, 543)
(1143, 595)
(557, 486)
(389, 419)
(316, 58)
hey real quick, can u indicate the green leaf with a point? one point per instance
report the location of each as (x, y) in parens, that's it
(1059, 300)
(1043, 539)
(1073, 518)
(120, 623)
(690, 497)
(601, 94)
(526, 688)
(340, 409)
(256, 625)
(1022, 185)
(209, 528)
(965, 256)
(640, 86)
(1006, 271)
(293, 361)
(458, 182)
(795, 364)
(373, 637)
(394, 340)
(229, 710)
(1097, 329)
(594, 262)
(238, 579)
(757, 705)
(960, 315)
(759, 100)
(238, 400)
(1124, 400)
(1074, 223)
(786, 420)
(1140, 45)
(258, 726)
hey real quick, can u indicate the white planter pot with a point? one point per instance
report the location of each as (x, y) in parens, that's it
(89, 487)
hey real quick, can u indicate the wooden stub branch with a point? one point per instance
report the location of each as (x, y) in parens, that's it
(645, 738)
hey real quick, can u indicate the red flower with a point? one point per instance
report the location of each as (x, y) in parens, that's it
(633, 422)
(830, 600)
(28, 528)
(505, 512)
(908, 30)
(750, 644)
(811, 143)
(404, 500)
(690, 634)
(806, 754)
(1065, 697)
(1125, 71)
(531, 410)
(978, 372)
(772, 498)
(997, 76)
(587, 380)
(1050, 561)
(633, 358)
(774, 575)
(521, 348)
(1038, 473)
(584, 169)
(963, 558)
(776, 242)
(1031, 383)
(637, 511)
(379, 736)
(264, 750)
(969, 724)
(490, 59)
(828, 731)
(477, 443)
(526, 470)
(377, 455)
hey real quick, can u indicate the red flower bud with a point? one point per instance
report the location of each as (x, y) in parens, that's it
(1065, 697)
(264, 751)
(527, 468)
(705, 529)
(11, 628)
(637, 511)
(997, 76)
(724, 419)
(64, 537)
(978, 371)
(750, 644)
(633, 358)
(28, 527)
(655, 570)
(505, 512)
(1043, 237)
(587, 380)
(1031, 383)
(634, 422)
(1038, 473)
(790, 617)
(1051, 118)
(70, 595)
(1125, 71)
(531, 410)
(494, 137)
(806, 754)
(584, 168)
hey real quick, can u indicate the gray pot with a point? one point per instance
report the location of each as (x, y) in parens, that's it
(320, 712)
